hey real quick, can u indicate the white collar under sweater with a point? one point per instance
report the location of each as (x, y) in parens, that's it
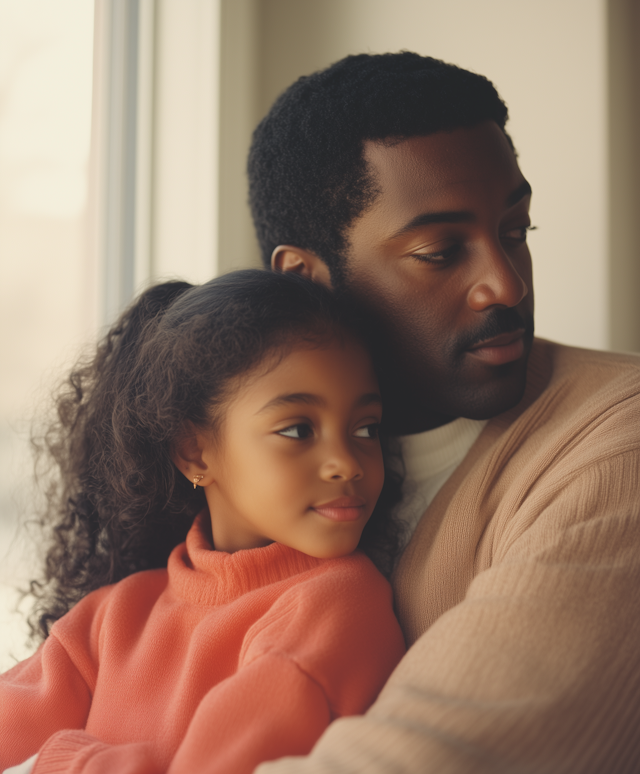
(429, 459)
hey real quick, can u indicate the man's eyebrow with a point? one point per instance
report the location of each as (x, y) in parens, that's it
(456, 216)
(524, 189)
(369, 399)
(427, 218)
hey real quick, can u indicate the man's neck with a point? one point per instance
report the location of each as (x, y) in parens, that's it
(410, 426)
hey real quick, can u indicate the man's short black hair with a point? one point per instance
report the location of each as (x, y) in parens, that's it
(308, 180)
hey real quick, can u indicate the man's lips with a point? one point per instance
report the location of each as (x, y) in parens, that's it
(342, 509)
(501, 349)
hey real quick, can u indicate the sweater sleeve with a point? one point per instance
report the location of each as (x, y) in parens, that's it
(265, 710)
(39, 696)
(538, 668)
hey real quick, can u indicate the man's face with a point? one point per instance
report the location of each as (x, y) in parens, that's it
(441, 261)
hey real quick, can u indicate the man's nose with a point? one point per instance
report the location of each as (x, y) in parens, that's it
(340, 463)
(498, 282)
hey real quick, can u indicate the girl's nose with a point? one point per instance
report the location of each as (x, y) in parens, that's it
(340, 464)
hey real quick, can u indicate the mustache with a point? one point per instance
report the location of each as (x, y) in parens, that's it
(496, 322)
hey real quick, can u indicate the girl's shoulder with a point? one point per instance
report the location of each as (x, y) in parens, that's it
(130, 597)
(337, 625)
(361, 572)
(348, 592)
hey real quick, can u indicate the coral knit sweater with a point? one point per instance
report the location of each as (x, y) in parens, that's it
(213, 665)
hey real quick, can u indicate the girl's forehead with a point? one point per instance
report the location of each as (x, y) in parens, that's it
(308, 348)
(331, 366)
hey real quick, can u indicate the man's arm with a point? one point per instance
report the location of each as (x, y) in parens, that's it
(537, 669)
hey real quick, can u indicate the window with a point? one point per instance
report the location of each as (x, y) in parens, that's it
(47, 296)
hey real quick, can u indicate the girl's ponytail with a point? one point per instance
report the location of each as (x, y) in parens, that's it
(91, 501)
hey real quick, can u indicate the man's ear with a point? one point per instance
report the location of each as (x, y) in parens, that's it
(191, 455)
(304, 262)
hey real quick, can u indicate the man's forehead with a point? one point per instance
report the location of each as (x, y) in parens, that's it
(459, 156)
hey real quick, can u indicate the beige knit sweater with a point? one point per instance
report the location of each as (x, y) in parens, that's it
(519, 595)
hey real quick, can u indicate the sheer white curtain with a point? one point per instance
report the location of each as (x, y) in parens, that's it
(47, 285)
(108, 181)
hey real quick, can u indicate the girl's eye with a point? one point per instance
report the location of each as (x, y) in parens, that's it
(368, 431)
(300, 431)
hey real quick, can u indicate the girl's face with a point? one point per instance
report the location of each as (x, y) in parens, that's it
(297, 459)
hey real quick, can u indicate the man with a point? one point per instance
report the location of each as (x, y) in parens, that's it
(391, 179)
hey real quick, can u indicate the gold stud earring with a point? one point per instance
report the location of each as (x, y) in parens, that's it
(196, 480)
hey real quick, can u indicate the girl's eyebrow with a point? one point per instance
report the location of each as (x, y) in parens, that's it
(309, 399)
(294, 397)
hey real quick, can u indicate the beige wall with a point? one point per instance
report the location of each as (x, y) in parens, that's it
(624, 173)
(550, 62)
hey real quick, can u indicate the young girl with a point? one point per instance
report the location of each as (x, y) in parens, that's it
(242, 414)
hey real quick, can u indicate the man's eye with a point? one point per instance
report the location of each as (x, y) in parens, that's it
(300, 431)
(518, 234)
(440, 256)
(368, 431)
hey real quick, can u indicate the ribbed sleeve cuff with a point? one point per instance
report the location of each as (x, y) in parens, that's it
(63, 748)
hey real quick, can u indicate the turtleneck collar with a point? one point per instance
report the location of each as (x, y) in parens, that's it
(205, 576)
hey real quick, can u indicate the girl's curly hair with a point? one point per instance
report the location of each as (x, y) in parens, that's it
(115, 503)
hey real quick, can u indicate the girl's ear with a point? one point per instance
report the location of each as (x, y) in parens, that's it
(189, 457)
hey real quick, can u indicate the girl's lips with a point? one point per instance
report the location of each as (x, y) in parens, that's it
(342, 509)
(500, 350)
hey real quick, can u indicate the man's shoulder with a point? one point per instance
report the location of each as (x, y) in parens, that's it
(579, 376)
(598, 362)
(571, 391)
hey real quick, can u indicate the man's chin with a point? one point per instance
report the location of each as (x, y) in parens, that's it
(494, 396)
(493, 407)
(473, 389)
(414, 415)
